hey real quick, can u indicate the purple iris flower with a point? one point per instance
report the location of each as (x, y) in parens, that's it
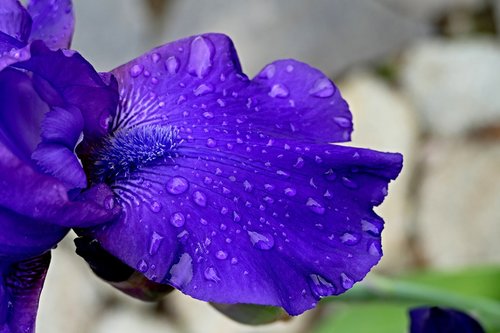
(186, 172)
(440, 320)
(48, 99)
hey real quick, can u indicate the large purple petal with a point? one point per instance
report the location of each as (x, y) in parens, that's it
(53, 22)
(20, 287)
(201, 75)
(15, 20)
(228, 189)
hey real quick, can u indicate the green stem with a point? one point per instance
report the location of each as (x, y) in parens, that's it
(376, 288)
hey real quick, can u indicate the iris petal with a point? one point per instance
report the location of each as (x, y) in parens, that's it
(53, 22)
(241, 193)
(20, 287)
(15, 20)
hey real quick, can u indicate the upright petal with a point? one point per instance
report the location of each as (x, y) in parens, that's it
(20, 287)
(83, 88)
(53, 22)
(15, 20)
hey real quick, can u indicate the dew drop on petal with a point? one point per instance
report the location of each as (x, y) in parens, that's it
(200, 57)
(154, 245)
(177, 185)
(172, 65)
(291, 192)
(322, 88)
(320, 286)
(136, 70)
(347, 282)
(279, 90)
(342, 122)
(315, 206)
(211, 143)
(142, 266)
(155, 207)
(155, 57)
(370, 228)
(221, 255)
(211, 274)
(203, 89)
(261, 241)
(350, 238)
(200, 198)
(268, 72)
(349, 183)
(177, 219)
(182, 272)
(109, 202)
(248, 186)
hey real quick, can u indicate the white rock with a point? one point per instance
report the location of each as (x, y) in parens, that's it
(71, 299)
(384, 120)
(454, 84)
(110, 33)
(429, 9)
(126, 319)
(459, 212)
(329, 34)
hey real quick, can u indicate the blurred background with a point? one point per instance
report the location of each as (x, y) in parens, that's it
(421, 77)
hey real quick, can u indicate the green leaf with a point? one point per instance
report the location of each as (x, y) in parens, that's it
(369, 318)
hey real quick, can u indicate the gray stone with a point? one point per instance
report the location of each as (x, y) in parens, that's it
(71, 299)
(329, 34)
(430, 9)
(454, 84)
(385, 120)
(459, 212)
(110, 33)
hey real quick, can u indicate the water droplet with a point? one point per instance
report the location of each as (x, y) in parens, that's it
(224, 210)
(155, 57)
(236, 217)
(299, 163)
(261, 241)
(289, 68)
(177, 185)
(370, 228)
(268, 72)
(207, 181)
(182, 272)
(155, 207)
(291, 192)
(172, 65)
(109, 202)
(155, 243)
(136, 70)
(282, 173)
(350, 239)
(279, 90)
(208, 114)
(349, 183)
(203, 89)
(347, 282)
(330, 175)
(234, 261)
(248, 187)
(200, 198)
(221, 255)
(342, 122)
(320, 286)
(269, 187)
(211, 274)
(177, 219)
(315, 206)
(322, 88)
(200, 57)
(374, 249)
(142, 266)
(211, 143)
